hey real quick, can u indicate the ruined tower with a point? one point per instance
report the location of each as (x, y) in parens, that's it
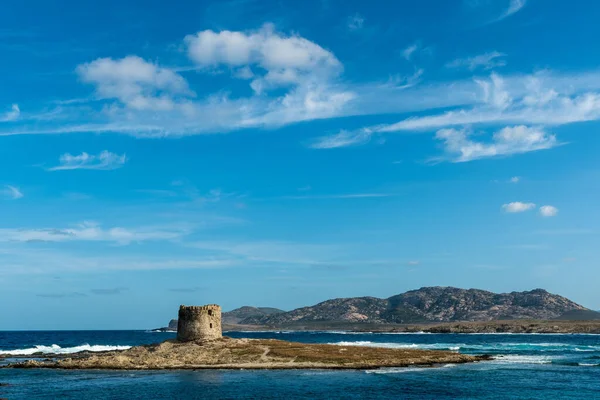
(199, 323)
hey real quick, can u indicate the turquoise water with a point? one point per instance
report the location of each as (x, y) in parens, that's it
(526, 367)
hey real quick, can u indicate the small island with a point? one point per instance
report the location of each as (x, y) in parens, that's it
(200, 345)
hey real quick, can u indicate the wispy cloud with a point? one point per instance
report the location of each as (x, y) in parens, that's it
(11, 115)
(25, 260)
(513, 7)
(293, 80)
(158, 192)
(337, 196)
(192, 289)
(355, 22)
(537, 100)
(408, 52)
(110, 291)
(517, 207)
(144, 99)
(103, 161)
(548, 211)
(342, 139)
(515, 179)
(11, 192)
(459, 147)
(485, 61)
(60, 295)
(91, 231)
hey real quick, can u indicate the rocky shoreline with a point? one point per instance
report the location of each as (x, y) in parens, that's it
(227, 353)
(507, 326)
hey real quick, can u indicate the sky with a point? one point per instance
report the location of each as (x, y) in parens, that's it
(280, 154)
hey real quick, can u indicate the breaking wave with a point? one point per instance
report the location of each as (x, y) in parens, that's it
(479, 348)
(56, 349)
(437, 346)
(403, 370)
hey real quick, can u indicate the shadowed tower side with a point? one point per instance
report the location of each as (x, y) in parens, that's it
(199, 323)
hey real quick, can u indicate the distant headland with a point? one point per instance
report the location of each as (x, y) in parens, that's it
(429, 309)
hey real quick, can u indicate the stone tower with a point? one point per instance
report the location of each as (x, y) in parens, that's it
(199, 323)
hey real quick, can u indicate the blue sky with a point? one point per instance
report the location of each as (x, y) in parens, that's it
(279, 154)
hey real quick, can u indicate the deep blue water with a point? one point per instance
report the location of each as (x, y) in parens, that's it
(527, 367)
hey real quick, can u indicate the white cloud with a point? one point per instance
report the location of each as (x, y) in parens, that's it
(285, 60)
(514, 7)
(342, 139)
(408, 52)
(11, 115)
(515, 179)
(459, 146)
(11, 192)
(307, 77)
(537, 99)
(494, 92)
(517, 207)
(91, 231)
(485, 61)
(548, 211)
(356, 22)
(103, 161)
(138, 84)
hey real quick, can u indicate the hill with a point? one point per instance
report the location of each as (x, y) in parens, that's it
(431, 305)
(245, 312)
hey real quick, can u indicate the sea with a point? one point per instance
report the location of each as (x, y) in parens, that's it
(526, 366)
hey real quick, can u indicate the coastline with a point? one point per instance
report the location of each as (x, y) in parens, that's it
(230, 353)
(499, 326)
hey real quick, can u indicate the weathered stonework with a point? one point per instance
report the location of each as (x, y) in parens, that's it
(199, 323)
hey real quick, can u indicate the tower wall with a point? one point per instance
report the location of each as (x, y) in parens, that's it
(199, 323)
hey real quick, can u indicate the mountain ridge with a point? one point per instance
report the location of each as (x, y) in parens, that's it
(429, 305)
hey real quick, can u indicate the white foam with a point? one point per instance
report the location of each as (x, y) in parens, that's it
(519, 359)
(588, 365)
(56, 349)
(367, 343)
(398, 370)
(403, 370)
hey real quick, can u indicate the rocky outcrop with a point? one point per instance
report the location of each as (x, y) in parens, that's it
(428, 305)
(226, 353)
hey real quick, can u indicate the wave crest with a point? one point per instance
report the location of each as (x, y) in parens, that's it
(56, 349)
